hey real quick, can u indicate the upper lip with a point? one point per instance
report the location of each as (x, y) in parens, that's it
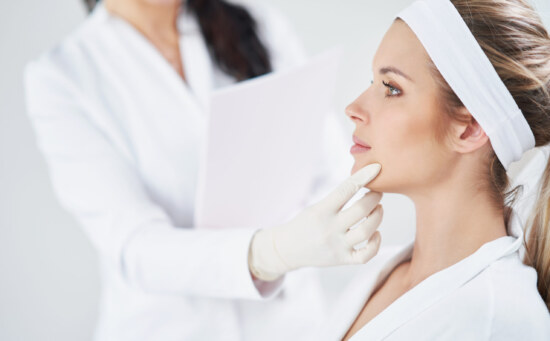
(359, 142)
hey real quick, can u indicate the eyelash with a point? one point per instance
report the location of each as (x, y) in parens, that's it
(389, 86)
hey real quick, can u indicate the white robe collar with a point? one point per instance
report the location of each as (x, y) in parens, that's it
(419, 298)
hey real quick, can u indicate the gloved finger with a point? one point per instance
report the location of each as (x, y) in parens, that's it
(359, 210)
(346, 190)
(364, 254)
(366, 228)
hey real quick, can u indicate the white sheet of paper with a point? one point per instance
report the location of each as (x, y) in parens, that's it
(262, 147)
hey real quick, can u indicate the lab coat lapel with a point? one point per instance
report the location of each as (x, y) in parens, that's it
(440, 284)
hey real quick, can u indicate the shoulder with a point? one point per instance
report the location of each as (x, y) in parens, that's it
(277, 33)
(50, 77)
(72, 52)
(518, 309)
(499, 303)
(61, 73)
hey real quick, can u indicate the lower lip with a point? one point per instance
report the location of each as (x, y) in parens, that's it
(359, 149)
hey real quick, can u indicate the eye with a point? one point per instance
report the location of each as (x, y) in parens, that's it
(394, 92)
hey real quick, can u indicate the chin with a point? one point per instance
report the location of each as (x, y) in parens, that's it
(355, 168)
(377, 184)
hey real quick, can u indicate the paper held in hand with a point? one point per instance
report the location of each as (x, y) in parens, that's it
(263, 145)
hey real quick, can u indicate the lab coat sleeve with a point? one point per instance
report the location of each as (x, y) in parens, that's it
(133, 236)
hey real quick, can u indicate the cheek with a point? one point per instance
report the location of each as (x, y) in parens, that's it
(404, 146)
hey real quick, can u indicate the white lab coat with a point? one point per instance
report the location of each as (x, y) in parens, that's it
(489, 295)
(121, 135)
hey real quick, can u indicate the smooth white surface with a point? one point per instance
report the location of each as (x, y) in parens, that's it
(267, 147)
(50, 286)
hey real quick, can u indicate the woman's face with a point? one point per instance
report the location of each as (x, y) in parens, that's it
(397, 116)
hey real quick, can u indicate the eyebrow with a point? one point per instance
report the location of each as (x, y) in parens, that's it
(395, 70)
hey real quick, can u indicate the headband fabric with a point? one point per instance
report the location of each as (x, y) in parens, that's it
(468, 71)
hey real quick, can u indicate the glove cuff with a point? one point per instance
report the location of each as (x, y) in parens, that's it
(263, 259)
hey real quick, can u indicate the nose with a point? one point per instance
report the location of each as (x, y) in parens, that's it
(354, 112)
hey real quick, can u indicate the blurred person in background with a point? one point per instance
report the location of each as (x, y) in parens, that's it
(117, 107)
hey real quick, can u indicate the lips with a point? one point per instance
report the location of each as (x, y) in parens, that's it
(359, 142)
(359, 146)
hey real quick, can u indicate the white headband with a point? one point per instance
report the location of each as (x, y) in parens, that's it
(461, 61)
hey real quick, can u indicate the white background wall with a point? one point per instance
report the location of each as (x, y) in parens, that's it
(48, 276)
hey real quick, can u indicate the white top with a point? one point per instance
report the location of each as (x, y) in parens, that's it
(489, 295)
(121, 132)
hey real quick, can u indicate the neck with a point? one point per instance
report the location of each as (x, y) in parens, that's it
(452, 222)
(153, 20)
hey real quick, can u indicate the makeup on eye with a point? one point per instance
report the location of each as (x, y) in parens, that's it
(394, 90)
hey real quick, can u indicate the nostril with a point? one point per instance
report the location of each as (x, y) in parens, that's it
(353, 116)
(355, 113)
(350, 113)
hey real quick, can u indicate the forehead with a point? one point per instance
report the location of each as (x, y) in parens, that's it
(401, 48)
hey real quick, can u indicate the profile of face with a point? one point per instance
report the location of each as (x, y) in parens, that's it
(398, 117)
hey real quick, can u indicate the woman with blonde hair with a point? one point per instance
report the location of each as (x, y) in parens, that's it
(461, 90)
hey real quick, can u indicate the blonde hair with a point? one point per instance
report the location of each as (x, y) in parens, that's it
(512, 35)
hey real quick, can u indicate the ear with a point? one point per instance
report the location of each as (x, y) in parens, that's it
(468, 137)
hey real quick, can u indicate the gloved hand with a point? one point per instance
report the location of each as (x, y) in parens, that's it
(320, 235)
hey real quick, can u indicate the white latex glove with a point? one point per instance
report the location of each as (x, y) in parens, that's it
(320, 235)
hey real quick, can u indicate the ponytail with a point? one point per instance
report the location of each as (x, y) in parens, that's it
(537, 249)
